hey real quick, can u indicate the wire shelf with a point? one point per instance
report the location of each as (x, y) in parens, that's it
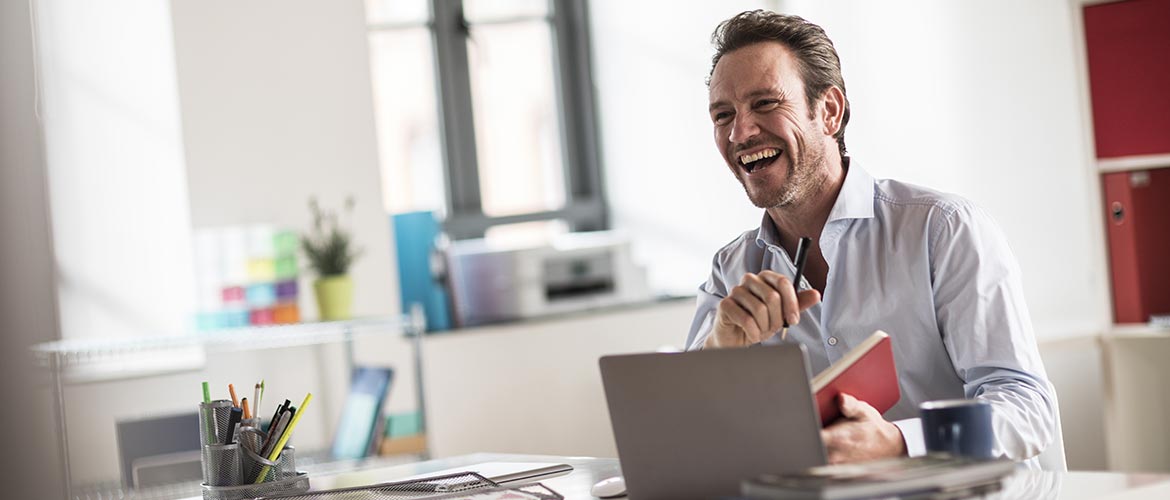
(73, 352)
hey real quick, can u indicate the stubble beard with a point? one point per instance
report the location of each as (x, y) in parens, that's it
(800, 179)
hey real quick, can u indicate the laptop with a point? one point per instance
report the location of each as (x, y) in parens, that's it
(696, 424)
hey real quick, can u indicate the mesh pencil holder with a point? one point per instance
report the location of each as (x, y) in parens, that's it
(230, 470)
(258, 467)
(249, 434)
(290, 485)
(280, 477)
(213, 421)
(221, 464)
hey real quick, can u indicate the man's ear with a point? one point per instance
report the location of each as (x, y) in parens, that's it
(832, 110)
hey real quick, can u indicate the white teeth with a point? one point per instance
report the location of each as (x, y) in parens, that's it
(767, 153)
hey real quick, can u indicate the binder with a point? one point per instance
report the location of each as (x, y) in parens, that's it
(1137, 213)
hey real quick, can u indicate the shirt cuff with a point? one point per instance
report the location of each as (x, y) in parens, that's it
(704, 330)
(912, 435)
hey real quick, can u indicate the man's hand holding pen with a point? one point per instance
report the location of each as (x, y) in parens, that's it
(758, 308)
(761, 305)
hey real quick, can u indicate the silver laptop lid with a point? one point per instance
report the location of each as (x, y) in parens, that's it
(695, 424)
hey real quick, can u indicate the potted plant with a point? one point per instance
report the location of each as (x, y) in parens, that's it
(330, 251)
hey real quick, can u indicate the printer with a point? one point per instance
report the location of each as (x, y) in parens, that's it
(492, 281)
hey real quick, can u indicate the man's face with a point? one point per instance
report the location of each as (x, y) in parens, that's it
(763, 126)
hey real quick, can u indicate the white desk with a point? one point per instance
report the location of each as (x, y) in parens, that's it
(587, 471)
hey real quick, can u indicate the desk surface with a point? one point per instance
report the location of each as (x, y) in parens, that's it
(587, 471)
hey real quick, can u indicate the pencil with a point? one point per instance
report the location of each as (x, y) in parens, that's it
(210, 418)
(801, 257)
(244, 406)
(235, 400)
(284, 437)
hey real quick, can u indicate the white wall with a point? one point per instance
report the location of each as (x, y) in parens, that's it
(277, 107)
(976, 98)
(117, 186)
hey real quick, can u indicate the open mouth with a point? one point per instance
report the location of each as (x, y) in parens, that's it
(759, 160)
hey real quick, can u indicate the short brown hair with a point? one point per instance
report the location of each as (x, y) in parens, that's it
(820, 68)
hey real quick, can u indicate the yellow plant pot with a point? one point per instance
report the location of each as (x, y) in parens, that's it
(334, 297)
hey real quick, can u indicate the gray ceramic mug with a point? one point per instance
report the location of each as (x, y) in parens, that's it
(959, 427)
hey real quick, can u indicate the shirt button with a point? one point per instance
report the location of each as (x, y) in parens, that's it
(832, 340)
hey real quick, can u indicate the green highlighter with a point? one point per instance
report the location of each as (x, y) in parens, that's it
(207, 418)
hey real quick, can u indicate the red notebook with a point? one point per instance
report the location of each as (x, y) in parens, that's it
(866, 372)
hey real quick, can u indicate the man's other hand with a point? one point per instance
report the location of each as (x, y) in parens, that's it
(861, 434)
(757, 308)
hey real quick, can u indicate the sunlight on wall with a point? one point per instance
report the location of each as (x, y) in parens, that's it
(117, 183)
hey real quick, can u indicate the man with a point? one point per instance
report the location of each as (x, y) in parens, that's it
(931, 269)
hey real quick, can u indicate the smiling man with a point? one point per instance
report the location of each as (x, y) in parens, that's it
(931, 269)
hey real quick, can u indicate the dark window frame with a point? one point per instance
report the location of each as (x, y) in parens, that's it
(585, 203)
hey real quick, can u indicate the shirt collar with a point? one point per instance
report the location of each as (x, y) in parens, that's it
(855, 201)
(767, 235)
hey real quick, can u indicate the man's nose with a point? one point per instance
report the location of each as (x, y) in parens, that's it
(743, 128)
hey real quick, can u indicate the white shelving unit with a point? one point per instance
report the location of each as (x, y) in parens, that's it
(66, 356)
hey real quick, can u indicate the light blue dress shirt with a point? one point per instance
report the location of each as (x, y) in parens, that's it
(934, 272)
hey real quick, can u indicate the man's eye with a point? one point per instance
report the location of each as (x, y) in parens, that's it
(766, 104)
(721, 117)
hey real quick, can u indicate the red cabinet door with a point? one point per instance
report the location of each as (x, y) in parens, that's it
(1128, 46)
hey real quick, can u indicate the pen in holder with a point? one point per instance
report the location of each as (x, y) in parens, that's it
(214, 418)
(282, 468)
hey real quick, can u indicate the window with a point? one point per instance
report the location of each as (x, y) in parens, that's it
(485, 113)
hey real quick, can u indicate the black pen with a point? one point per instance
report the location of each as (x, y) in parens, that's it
(801, 255)
(280, 409)
(275, 418)
(233, 421)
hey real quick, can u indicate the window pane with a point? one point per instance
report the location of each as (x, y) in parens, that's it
(408, 120)
(397, 11)
(516, 126)
(477, 11)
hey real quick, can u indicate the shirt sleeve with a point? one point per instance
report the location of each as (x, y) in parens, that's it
(710, 293)
(986, 329)
(912, 435)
